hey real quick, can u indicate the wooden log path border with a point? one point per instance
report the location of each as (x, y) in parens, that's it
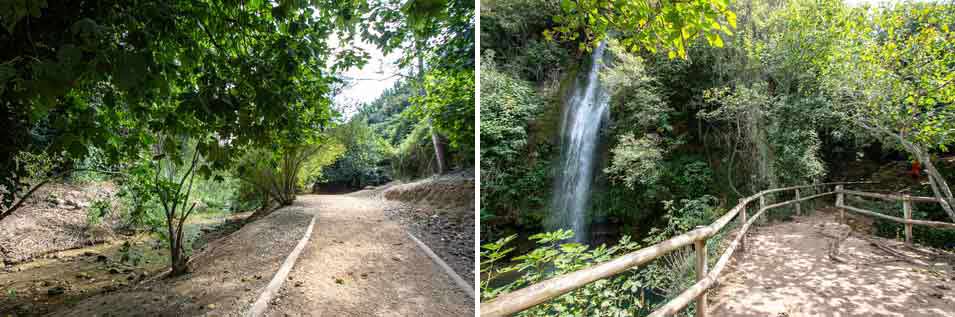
(527, 297)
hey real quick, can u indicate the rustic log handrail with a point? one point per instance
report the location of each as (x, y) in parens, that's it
(906, 208)
(927, 223)
(678, 303)
(530, 296)
(891, 197)
(697, 291)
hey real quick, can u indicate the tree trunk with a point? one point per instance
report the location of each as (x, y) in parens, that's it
(179, 260)
(171, 204)
(16, 205)
(440, 150)
(20, 200)
(936, 181)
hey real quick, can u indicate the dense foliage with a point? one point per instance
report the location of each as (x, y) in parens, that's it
(666, 25)
(248, 73)
(436, 36)
(364, 161)
(507, 104)
(608, 297)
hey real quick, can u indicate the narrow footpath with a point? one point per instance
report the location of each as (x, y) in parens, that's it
(815, 266)
(360, 263)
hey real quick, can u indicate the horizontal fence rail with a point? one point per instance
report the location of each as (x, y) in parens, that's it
(891, 197)
(521, 299)
(906, 210)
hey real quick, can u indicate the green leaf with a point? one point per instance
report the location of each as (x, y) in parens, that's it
(714, 39)
(567, 5)
(731, 18)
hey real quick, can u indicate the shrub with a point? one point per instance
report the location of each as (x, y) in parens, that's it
(636, 160)
(625, 294)
(142, 210)
(685, 215)
(365, 157)
(98, 209)
(618, 296)
(414, 157)
(276, 175)
(691, 177)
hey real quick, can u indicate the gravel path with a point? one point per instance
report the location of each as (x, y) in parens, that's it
(360, 263)
(449, 233)
(788, 270)
(440, 212)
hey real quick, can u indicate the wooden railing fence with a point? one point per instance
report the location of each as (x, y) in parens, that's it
(527, 297)
(906, 200)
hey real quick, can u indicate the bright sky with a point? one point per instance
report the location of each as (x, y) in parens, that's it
(370, 81)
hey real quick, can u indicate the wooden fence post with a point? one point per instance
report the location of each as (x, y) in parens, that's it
(907, 210)
(798, 204)
(742, 222)
(762, 204)
(840, 201)
(701, 268)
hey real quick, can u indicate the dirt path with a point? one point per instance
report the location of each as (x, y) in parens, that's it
(359, 263)
(787, 270)
(225, 280)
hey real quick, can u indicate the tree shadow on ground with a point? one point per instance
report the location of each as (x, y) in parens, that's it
(787, 270)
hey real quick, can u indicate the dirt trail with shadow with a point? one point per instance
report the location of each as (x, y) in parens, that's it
(360, 263)
(227, 276)
(808, 267)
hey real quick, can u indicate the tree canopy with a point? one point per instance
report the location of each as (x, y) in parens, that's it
(669, 26)
(160, 92)
(112, 74)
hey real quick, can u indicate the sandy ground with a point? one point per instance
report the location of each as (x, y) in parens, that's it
(225, 280)
(55, 219)
(787, 270)
(360, 263)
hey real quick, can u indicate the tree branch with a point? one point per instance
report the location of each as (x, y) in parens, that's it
(23, 198)
(211, 38)
(8, 211)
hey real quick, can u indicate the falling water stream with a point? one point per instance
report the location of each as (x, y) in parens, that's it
(585, 111)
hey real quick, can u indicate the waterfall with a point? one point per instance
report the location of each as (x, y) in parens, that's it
(585, 110)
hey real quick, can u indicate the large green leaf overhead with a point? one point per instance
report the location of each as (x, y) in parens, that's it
(111, 74)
